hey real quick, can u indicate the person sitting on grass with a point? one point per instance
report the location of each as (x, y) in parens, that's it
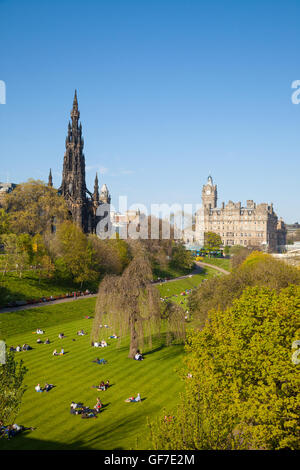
(73, 407)
(61, 335)
(47, 341)
(81, 333)
(39, 341)
(38, 388)
(62, 352)
(103, 344)
(98, 405)
(138, 356)
(39, 331)
(55, 353)
(101, 387)
(18, 348)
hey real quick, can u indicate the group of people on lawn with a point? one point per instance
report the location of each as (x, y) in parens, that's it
(75, 408)
(47, 388)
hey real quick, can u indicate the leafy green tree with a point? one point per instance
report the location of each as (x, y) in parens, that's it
(212, 241)
(41, 258)
(242, 389)
(181, 258)
(258, 269)
(34, 207)
(18, 252)
(130, 303)
(4, 222)
(75, 253)
(11, 388)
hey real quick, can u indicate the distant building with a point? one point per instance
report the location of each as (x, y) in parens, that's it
(254, 225)
(6, 188)
(120, 222)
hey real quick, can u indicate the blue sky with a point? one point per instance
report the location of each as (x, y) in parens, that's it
(169, 91)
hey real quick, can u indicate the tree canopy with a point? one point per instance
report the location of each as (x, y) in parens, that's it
(259, 269)
(11, 388)
(242, 389)
(34, 207)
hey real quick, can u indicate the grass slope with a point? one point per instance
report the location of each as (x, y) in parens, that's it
(28, 287)
(220, 262)
(173, 289)
(120, 425)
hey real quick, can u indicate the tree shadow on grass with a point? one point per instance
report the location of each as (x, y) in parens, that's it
(99, 438)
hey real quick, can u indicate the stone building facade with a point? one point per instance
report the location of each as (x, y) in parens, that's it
(254, 225)
(81, 202)
(5, 188)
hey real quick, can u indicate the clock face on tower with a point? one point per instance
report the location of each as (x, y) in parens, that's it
(208, 192)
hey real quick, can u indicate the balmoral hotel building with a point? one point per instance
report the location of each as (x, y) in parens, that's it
(253, 225)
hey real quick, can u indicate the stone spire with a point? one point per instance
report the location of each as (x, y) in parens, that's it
(50, 180)
(73, 186)
(96, 191)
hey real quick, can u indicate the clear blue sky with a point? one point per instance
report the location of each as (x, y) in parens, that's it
(169, 91)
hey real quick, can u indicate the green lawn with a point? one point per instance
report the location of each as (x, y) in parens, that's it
(220, 262)
(28, 287)
(169, 272)
(174, 289)
(120, 425)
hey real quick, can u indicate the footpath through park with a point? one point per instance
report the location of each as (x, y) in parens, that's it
(197, 270)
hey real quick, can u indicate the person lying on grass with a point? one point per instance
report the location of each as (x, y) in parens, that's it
(47, 341)
(62, 352)
(87, 413)
(103, 344)
(114, 336)
(100, 361)
(11, 430)
(84, 411)
(61, 335)
(48, 387)
(132, 399)
(55, 353)
(39, 331)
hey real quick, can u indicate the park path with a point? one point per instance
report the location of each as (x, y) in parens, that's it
(197, 270)
(44, 304)
(222, 270)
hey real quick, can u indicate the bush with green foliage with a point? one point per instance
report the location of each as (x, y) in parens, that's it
(11, 388)
(258, 269)
(242, 389)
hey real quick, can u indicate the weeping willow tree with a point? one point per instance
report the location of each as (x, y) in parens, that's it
(131, 305)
